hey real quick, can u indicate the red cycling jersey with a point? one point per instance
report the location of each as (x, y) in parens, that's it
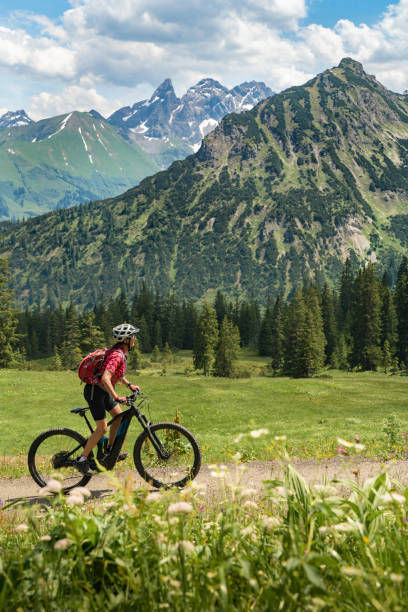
(115, 362)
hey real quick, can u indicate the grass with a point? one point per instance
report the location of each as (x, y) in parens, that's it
(312, 413)
(295, 547)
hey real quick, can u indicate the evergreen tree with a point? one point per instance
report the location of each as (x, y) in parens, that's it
(265, 334)
(144, 335)
(277, 335)
(389, 323)
(156, 355)
(70, 351)
(220, 306)
(205, 339)
(304, 335)
(387, 356)
(227, 350)
(366, 325)
(135, 356)
(346, 298)
(91, 336)
(8, 321)
(328, 306)
(401, 306)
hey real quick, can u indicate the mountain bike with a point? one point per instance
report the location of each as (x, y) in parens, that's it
(164, 454)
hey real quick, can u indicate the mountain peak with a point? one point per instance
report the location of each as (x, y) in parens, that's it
(15, 119)
(164, 89)
(349, 62)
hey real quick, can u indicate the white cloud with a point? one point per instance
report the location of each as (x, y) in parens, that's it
(97, 49)
(74, 97)
(41, 55)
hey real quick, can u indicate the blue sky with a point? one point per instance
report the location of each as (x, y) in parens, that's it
(57, 56)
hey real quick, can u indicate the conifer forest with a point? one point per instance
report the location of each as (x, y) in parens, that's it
(361, 324)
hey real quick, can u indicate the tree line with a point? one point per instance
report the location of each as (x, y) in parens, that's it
(361, 324)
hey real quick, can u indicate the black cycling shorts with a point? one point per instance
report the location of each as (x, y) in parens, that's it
(99, 402)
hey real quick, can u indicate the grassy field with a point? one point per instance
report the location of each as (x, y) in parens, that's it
(312, 413)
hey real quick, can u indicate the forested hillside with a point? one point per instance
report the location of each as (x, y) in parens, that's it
(362, 324)
(275, 196)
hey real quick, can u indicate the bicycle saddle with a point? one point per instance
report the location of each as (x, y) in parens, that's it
(79, 410)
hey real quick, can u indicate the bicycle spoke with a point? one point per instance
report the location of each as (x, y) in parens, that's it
(176, 460)
(54, 454)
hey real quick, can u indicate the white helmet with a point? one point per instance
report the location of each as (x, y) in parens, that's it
(125, 330)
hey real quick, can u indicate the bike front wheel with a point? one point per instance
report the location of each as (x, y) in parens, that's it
(167, 456)
(54, 452)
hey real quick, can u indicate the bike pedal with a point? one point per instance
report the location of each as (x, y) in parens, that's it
(122, 456)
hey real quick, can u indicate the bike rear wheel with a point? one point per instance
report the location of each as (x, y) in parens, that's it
(182, 459)
(54, 452)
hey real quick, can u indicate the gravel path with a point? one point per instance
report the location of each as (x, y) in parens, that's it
(250, 474)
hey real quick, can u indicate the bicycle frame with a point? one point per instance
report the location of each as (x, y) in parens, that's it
(126, 417)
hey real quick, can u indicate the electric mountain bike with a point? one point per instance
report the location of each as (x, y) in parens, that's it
(164, 454)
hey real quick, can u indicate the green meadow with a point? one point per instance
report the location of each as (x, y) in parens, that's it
(311, 413)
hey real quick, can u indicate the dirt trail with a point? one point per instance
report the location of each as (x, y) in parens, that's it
(250, 474)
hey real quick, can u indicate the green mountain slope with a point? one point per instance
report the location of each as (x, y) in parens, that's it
(63, 161)
(277, 195)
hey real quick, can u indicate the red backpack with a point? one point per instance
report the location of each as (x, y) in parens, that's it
(90, 365)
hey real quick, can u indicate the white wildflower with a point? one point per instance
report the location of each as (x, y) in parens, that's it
(359, 447)
(129, 507)
(153, 497)
(22, 527)
(52, 486)
(237, 456)
(396, 577)
(250, 504)
(280, 438)
(270, 522)
(256, 433)
(343, 527)
(248, 531)
(186, 545)
(75, 499)
(62, 544)
(238, 438)
(180, 508)
(81, 491)
(397, 497)
(45, 538)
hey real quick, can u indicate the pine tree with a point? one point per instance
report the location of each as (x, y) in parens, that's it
(156, 355)
(220, 307)
(387, 356)
(70, 351)
(135, 356)
(227, 350)
(277, 335)
(328, 307)
(91, 336)
(265, 334)
(8, 321)
(401, 306)
(366, 325)
(205, 339)
(304, 335)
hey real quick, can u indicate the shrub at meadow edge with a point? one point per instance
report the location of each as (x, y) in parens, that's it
(293, 547)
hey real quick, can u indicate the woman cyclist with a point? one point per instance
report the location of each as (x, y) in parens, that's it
(101, 395)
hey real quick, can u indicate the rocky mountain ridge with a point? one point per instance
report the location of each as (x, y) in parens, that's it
(190, 117)
(275, 197)
(108, 156)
